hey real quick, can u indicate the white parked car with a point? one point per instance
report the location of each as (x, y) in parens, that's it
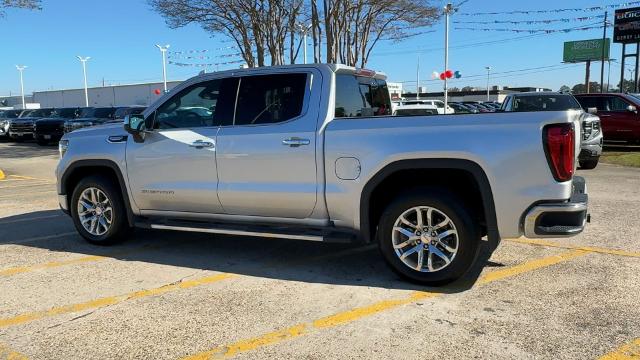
(439, 104)
(417, 109)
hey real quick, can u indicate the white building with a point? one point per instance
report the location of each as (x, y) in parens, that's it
(117, 95)
(395, 90)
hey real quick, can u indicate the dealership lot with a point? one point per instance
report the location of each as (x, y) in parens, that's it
(170, 295)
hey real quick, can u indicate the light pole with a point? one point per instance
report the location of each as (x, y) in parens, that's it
(418, 79)
(84, 60)
(21, 69)
(163, 50)
(448, 10)
(304, 29)
(488, 68)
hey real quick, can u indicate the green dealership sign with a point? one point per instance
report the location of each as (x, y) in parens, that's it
(586, 50)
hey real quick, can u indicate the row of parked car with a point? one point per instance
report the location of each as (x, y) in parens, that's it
(48, 125)
(436, 107)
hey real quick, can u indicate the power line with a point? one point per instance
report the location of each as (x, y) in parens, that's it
(531, 22)
(580, 9)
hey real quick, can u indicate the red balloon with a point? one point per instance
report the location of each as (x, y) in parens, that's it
(443, 76)
(448, 74)
(157, 91)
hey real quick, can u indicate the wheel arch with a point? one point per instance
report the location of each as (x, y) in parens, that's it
(83, 168)
(468, 168)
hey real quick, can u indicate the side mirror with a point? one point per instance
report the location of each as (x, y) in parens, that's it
(632, 108)
(135, 125)
(592, 110)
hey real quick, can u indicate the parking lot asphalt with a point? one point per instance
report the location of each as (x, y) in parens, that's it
(167, 295)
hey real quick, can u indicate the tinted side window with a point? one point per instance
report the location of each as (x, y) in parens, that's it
(615, 103)
(268, 99)
(592, 102)
(360, 96)
(209, 103)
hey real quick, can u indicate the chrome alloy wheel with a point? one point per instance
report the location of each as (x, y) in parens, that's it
(425, 239)
(95, 211)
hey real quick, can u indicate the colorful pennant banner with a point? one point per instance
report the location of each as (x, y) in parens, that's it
(531, 22)
(552, 11)
(534, 31)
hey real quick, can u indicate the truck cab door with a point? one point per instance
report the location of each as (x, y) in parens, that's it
(618, 123)
(267, 158)
(174, 169)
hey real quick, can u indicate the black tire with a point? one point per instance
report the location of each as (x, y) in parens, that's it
(467, 229)
(589, 164)
(119, 229)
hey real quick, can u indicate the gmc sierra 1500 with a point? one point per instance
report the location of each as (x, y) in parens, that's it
(311, 152)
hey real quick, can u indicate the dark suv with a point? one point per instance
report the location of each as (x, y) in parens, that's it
(21, 128)
(618, 114)
(90, 117)
(51, 129)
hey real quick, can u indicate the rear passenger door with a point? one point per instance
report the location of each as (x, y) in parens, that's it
(266, 158)
(619, 121)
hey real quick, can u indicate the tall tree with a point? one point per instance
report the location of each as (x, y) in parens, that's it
(350, 29)
(20, 4)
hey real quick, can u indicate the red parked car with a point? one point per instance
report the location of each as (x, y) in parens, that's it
(619, 114)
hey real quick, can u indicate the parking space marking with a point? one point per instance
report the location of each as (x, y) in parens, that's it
(628, 351)
(547, 243)
(31, 219)
(80, 260)
(352, 315)
(6, 353)
(38, 238)
(2, 176)
(111, 300)
(39, 183)
(30, 193)
(22, 177)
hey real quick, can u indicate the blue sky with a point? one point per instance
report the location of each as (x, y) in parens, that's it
(120, 35)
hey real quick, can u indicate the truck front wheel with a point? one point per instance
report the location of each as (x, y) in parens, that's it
(98, 211)
(428, 236)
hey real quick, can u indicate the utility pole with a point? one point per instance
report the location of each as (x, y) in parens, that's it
(21, 69)
(84, 72)
(604, 42)
(448, 10)
(488, 68)
(163, 50)
(586, 77)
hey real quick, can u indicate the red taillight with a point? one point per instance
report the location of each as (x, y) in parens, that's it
(559, 145)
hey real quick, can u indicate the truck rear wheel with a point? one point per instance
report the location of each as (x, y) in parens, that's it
(98, 211)
(428, 236)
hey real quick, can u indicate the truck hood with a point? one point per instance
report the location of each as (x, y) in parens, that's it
(99, 130)
(52, 121)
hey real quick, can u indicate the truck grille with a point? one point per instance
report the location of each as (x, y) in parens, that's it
(49, 127)
(69, 127)
(23, 127)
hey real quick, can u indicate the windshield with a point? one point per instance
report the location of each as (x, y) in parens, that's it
(86, 112)
(559, 102)
(40, 113)
(67, 113)
(104, 112)
(9, 114)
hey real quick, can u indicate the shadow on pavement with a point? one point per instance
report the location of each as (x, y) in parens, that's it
(305, 261)
(26, 149)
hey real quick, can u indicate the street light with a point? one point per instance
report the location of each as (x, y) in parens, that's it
(84, 60)
(488, 68)
(21, 69)
(304, 29)
(448, 10)
(163, 50)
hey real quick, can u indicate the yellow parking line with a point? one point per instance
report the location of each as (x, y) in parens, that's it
(2, 176)
(352, 315)
(21, 177)
(39, 183)
(110, 300)
(10, 354)
(27, 194)
(626, 352)
(538, 242)
(81, 260)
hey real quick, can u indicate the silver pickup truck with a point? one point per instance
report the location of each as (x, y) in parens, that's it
(311, 152)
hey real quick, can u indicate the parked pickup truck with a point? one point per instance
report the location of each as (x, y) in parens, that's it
(311, 152)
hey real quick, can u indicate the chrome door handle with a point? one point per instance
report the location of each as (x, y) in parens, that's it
(199, 144)
(295, 142)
